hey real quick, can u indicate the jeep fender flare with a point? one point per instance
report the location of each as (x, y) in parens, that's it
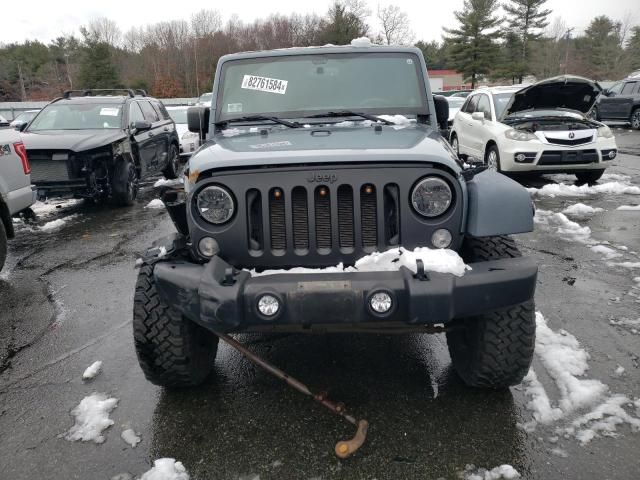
(497, 205)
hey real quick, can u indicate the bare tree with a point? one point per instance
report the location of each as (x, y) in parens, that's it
(395, 25)
(204, 23)
(104, 30)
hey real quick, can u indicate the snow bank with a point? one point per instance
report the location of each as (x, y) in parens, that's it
(166, 469)
(564, 190)
(632, 208)
(91, 417)
(155, 203)
(435, 260)
(503, 471)
(92, 370)
(581, 210)
(130, 437)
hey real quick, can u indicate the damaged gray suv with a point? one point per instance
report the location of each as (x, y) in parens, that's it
(324, 198)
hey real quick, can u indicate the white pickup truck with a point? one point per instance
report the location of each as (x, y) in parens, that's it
(16, 192)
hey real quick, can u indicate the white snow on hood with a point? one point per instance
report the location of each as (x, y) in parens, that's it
(435, 260)
(92, 417)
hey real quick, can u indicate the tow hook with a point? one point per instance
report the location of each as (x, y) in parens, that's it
(343, 448)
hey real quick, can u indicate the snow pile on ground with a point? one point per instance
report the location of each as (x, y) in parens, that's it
(617, 177)
(92, 417)
(567, 229)
(632, 208)
(155, 203)
(166, 469)
(92, 370)
(503, 471)
(57, 224)
(607, 252)
(565, 361)
(564, 190)
(580, 210)
(130, 437)
(435, 260)
(44, 209)
(163, 182)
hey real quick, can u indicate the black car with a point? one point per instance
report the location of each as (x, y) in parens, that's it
(97, 144)
(621, 102)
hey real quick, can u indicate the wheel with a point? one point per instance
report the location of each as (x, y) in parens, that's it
(3, 244)
(589, 177)
(492, 158)
(124, 185)
(493, 350)
(455, 144)
(635, 119)
(172, 350)
(172, 168)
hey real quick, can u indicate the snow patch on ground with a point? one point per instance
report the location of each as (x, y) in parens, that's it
(503, 471)
(57, 224)
(435, 260)
(631, 208)
(559, 452)
(92, 370)
(580, 210)
(624, 264)
(166, 469)
(164, 182)
(567, 229)
(564, 190)
(130, 437)
(49, 207)
(607, 252)
(155, 203)
(92, 418)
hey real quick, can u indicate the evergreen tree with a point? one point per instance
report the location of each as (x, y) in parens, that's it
(342, 24)
(510, 64)
(601, 49)
(473, 49)
(97, 69)
(526, 19)
(633, 49)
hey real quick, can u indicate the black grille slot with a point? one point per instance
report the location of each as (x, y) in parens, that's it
(568, 157)
(368, 213)
(300, 213)
(254, 225)
(323, 218)
(345, 217)
(277, 219)
(392, 214)
(573, 141)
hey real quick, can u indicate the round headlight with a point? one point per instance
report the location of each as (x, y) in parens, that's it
(431, 196)
(215, 205)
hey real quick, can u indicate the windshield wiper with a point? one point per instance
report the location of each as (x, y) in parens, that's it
(250, 118)
(349, 113)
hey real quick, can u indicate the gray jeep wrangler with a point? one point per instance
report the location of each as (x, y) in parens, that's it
(317, 157)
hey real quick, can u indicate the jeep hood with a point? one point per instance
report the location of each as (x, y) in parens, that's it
(566, 91)
(74, 140)
(326, 144)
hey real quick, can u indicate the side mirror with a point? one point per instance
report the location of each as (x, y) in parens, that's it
(22, 126)
(142, 125)
(442, 110)
(478, 116)
(198, 120)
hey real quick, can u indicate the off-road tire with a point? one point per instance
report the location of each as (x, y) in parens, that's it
(3, 244)
(589, 177)
(634, 119)
(124, 184)
(173, 351)
(493, 350)
(173, 165)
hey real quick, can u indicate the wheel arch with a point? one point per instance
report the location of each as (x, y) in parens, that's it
(5, 218)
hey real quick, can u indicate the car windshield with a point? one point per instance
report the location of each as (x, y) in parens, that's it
(25, 117)
(296, 86)
(500, 101)
(78, 116)
(178, 115)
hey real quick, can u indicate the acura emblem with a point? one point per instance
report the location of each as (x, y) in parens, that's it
(572, 135)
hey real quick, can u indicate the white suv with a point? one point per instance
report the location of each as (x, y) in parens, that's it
(540, 128)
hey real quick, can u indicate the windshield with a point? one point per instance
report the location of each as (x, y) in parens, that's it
(78, 116)
(500, 101)
(178, 115)
(25, 117)
(301, 85)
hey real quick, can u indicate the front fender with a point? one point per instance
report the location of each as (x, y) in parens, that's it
(497, 205)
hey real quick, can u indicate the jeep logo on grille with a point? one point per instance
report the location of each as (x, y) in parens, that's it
(322, 178)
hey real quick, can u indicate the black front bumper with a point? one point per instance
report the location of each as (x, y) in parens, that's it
(211, 296)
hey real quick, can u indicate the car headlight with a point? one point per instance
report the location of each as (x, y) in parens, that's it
(519, 135)
(189, 135)
(605, 132)
(215, 204)
(431, 196)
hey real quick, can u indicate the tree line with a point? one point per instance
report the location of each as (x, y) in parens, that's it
(499, 42)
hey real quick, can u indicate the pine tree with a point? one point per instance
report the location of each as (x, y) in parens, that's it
(633, 49)
(526, 19)
(473, 44)
(97, 69)
(342, 24)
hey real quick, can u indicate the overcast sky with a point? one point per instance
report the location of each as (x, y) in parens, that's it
(46, 19)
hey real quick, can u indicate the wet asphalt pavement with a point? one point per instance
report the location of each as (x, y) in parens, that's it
(66, 301)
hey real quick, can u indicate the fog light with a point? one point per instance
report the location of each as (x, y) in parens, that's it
(268, 305)
(521, 157)
(612, 154)
(441, 238)
(380, 302)
(208, 247)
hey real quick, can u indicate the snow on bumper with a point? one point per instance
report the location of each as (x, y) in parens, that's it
(217, 297)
